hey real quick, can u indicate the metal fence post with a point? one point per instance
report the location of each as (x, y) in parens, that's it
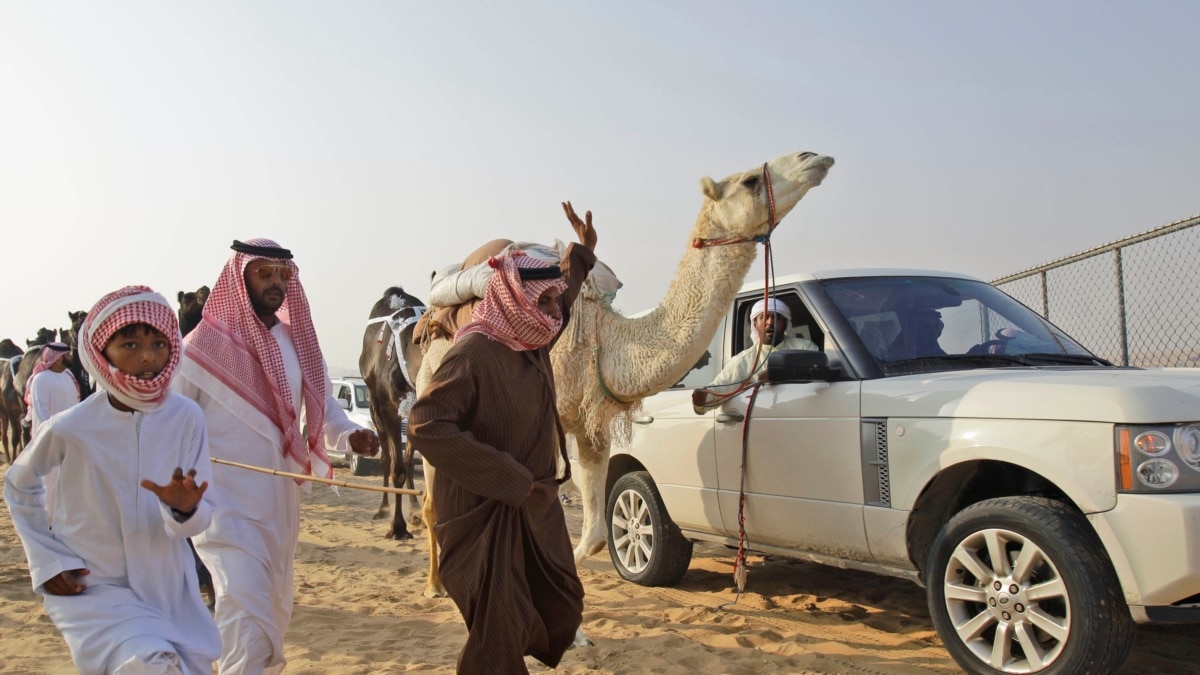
(1121, 327)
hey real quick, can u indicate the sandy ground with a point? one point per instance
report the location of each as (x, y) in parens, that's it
(359, 609)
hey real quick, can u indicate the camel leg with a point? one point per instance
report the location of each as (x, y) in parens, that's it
(593, 467)
(399, 528)
(381, 431)
(429, 365)
(433, 583)
(414, 505)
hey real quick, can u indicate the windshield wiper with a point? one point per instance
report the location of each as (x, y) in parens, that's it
(1041, 358)
(925, 364)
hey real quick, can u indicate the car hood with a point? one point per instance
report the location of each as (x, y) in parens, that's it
(1117, 395)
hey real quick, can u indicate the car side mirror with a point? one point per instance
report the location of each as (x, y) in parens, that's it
(800, 366)
(344, 403)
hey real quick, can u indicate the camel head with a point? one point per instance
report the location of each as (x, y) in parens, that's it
(9, 349)
(44, 336)
(737, 206)
(76, 322)
(191, 308)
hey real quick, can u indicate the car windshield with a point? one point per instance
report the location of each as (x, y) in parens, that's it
(926, 324)
(360, 396)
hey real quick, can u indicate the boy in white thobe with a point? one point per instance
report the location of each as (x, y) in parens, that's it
(115, 571)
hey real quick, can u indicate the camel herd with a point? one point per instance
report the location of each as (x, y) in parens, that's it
(604, 363)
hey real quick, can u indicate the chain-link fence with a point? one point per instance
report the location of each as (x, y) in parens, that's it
(1134, 302)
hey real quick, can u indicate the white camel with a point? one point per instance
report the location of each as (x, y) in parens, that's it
(638, 357)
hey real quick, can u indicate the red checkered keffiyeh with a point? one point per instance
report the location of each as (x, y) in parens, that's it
(509, 310)
(233, 345)
(130, 305)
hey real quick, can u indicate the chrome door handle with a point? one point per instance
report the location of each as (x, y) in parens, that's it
(643, 419)
(730, 417)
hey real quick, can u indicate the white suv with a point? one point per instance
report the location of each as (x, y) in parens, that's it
(945, 433)
(351, 393)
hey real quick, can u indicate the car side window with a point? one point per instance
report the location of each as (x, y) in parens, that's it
(707, 366)
(802, 325)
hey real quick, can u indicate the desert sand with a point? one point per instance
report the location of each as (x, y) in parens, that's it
(359, 609)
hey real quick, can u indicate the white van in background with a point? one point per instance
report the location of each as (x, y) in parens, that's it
(351, 394)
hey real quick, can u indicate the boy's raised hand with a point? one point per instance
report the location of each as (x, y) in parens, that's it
(67, 583)
(182, 493)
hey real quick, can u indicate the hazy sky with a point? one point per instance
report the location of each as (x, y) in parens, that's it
(380, 140)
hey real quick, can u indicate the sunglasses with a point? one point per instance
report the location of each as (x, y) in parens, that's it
(265, 272)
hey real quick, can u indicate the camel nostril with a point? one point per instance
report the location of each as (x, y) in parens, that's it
(807, 155)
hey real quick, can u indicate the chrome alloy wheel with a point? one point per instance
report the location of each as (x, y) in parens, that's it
(1007, 601)
(632, 531)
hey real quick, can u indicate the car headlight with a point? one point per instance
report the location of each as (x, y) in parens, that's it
(1187, 445)
(1158, 458)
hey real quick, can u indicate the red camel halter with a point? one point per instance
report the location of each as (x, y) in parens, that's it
(740, 562)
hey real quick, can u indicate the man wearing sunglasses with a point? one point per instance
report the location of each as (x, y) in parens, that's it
(254, 365)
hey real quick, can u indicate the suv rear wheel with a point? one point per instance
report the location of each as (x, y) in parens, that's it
(363, 466)
(1022, 585)
(645, 546)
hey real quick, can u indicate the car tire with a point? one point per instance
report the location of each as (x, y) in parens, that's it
(1049, 603)
(645, 546)
(363, 466)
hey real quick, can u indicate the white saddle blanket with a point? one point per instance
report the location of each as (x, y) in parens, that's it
(451, 286)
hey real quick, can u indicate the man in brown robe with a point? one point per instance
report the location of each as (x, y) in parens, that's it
(488, 422)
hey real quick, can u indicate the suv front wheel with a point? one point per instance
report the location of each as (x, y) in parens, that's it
(1022, 585)
(645, 546)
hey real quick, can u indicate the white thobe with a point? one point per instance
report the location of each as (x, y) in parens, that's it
(142, 586)
(256, 522)
(50, 393)
(742, 365)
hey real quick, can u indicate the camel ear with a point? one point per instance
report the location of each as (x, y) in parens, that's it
(710, 188)
(180, 296)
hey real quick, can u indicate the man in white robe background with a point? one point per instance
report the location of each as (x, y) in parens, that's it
(50, 390)
(51, 387)
(256, 369)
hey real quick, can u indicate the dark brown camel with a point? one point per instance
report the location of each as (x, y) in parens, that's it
(9, 349)
(191, 308)
(387, 349)
(71, 337)
(44, 336)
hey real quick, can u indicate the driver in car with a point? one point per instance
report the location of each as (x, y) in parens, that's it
(769, 322)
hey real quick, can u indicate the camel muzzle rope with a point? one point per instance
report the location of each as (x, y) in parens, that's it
(326, 481)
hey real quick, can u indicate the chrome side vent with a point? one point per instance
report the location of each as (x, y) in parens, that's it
(877, 486)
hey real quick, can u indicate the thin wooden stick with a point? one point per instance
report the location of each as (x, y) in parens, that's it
(327, 481)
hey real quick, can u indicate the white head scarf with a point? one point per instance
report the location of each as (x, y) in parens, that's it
(771, 305)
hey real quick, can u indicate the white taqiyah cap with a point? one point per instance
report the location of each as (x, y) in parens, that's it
(771, 305)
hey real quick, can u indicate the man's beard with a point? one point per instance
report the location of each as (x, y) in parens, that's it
(263, 306)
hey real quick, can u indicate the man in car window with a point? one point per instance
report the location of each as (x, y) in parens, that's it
(769, 323)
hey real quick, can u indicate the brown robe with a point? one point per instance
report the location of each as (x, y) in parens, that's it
(488, 422)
